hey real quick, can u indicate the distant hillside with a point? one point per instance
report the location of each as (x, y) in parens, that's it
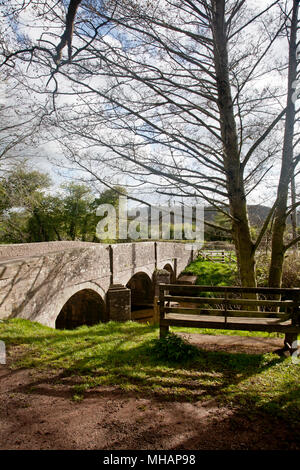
(257, 214)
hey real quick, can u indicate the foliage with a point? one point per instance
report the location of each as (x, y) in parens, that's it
(76, 209)
(28, 213)
(262, 269)
(109, 196)
(174, 348)
(22, 187)
(213, 233)
(45, 219)
(13, 228)
(291, 270)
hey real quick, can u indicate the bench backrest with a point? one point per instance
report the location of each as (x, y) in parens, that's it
(253, 302)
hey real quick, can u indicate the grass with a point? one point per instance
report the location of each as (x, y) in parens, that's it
(213, 273)
(128, 355)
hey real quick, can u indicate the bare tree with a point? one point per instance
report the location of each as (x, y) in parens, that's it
(21, 114)
(288, 161)
(169, 92)
(16, 132)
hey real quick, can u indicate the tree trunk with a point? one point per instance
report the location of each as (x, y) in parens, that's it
(84, 229)
(294, 212)
(231, 155)
(57, 233)
(43, 234)
(278, 248)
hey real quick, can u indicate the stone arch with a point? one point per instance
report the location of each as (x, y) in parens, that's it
(125, 277)
(146, 270)
(80, 305)
(165, 262)
(142, 296)
(141, 287)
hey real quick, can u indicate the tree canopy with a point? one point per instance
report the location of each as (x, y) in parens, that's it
(32, 211)
(192, 98)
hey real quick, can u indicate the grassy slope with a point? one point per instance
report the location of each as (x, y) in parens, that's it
(213, 273)
(124, 355)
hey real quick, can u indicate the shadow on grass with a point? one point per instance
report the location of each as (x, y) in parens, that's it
(122, 356)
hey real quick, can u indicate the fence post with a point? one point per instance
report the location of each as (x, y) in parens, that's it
(163, 330)
(160, 276)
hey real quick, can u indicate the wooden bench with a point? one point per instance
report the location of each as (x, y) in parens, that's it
(231, 308)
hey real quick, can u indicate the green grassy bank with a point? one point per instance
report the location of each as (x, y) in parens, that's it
(129, 356)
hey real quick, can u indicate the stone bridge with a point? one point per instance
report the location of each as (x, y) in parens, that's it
(67, 284)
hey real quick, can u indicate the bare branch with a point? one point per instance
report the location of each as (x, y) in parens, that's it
(66, 38)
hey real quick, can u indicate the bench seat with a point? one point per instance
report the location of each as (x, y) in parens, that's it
(231, 323)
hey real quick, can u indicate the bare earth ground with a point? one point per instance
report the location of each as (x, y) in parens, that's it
(36, 412)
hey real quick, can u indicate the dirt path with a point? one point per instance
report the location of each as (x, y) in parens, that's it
(234, 344)
(37, 412)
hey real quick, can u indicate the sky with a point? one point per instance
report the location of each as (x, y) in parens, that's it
(48, 153)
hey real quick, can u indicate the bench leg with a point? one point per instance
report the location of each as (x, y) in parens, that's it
(163, 331)
(289, 339)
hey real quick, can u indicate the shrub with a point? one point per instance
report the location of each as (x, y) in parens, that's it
(174, 348)
(262, 270)
(291, 271)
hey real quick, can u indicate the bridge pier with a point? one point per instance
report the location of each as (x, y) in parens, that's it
(118, 303)
(160, 276)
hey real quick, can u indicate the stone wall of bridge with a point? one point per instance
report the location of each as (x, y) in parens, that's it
(37, 279)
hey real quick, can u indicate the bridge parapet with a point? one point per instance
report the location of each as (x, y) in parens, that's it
(128, 256)
(36, 284)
